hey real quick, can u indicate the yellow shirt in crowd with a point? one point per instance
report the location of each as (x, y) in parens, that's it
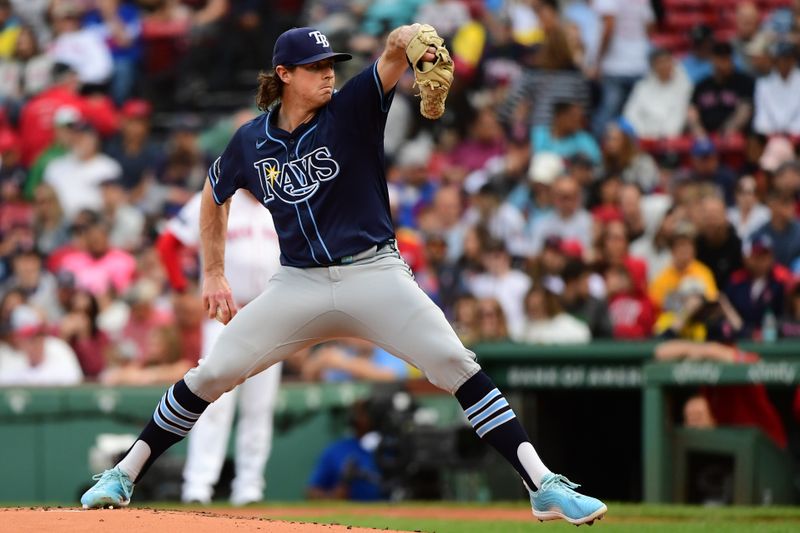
(670, 279)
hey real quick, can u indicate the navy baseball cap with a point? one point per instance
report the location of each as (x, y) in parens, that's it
(703, 147)
(301, 46)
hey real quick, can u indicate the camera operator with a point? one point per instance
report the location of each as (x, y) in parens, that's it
(347, 469)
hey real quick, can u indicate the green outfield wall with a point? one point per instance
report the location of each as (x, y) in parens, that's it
(570, 398)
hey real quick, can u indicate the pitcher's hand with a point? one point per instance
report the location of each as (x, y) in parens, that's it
(217, 298)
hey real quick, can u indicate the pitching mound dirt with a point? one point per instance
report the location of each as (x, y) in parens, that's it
(63, 520)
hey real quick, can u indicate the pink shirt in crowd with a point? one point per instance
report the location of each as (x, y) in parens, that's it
(98, 275)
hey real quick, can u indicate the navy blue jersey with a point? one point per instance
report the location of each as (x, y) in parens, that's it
(325, 182)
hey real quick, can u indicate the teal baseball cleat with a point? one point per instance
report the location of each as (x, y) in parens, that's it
(113, 489)
(556, 498)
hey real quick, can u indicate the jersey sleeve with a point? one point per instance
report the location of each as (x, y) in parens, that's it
(225, 173)
(362, 97)
(186, 224)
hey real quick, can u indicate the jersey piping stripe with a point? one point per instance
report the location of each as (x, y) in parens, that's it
(213, 177)
(310, 212)
(213, 171)
(308, 204)
(381, 95)
(303, 136)
(214, 194)
(310, 246)
(297, 210)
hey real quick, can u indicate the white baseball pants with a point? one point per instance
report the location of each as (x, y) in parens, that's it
(208, 440)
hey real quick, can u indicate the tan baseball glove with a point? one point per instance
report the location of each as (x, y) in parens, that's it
(433, 78)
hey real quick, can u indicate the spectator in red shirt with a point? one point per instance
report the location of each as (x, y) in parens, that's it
(631, 311)
(614, 253)
(737, 405)
(36, 123)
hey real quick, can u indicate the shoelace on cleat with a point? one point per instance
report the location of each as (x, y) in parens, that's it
(113, 475)
(558, 479)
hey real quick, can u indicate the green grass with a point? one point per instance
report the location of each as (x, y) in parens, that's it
(622, 518)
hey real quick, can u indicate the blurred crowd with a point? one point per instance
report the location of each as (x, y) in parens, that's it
(597, 174)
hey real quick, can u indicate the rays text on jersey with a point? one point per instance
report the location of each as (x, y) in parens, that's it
(297, 180)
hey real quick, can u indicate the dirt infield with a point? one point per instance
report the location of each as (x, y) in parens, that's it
(487, 514)
(73, 520)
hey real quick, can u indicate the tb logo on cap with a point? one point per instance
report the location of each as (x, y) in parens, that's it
(320, 38)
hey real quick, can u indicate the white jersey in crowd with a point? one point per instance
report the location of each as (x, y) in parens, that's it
(629, 46)
(252, 254)
(59, 367)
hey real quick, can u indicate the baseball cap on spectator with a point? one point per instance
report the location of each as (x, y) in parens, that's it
(703, 147)
(136, 108)
(572, 248)
(606, 213)
(65, 279)
(568, 247)
(580, 160)
(187, 122)
(722, 49)
(657, 52)
(494, 246)
(782, 49)
(26, 322)
(60, 68)
(545, 167)
(84, 126)
(779, 150)
(67, 115)
(25, 249)
(301, 46)
(116, 181)
(9, 141)
(684, 230)
(759, 245)
(700, 34)
(143, 291)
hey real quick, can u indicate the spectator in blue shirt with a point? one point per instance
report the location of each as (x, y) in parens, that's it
(697, 63)
(117, 22)
(346, 469)
(566, 137)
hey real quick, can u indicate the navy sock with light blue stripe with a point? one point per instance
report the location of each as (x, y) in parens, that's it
(173, 418)
(493, 420)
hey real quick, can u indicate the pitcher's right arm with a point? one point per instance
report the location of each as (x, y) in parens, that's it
(217, 297)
